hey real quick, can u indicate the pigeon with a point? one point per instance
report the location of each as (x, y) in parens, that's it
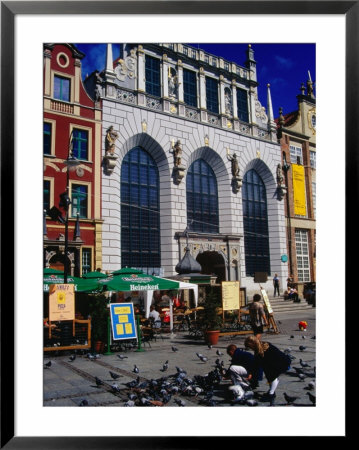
(165, 367)
(72, 358)
(290, 400)
(121, 357)
(133, 383)
(91, 357)
(302, 348)
(174, 349)
(180, 402)
(84, 402)
(114, 376)
(209, 346)
(129, 403)
(298, 370)
(313, 337)
(132, 396)
(301, 376)
(135, 369)
(311, 386)
(303, 337)
(303, 363)
(311, 397)
(98, 381)
(292, 336)
(219, 353)
(203, 358)
(180, 370)
(48, 365)
(115, 387)
(251, 402)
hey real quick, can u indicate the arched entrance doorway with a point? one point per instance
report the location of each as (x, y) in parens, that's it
(213, 262)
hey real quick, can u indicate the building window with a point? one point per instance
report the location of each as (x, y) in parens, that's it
(314, 199)
(153, 76)
(79, 197)
(140, 211)
(255, 221)
(302, 250)
(80, 144)
(202, 198)
(313, 160)
(47, 192)
(296, 154)
(47, 138)
(61, 88)
(86, 260)
(212, 95)
(190, 87)
(242, 105)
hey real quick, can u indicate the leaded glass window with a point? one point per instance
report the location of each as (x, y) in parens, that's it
(153, 76)
(86, 260)
(202, 198)
(140, 211)
(212, 95)
(255, 221)
(47, 187)
(242, 105)
(190, 87)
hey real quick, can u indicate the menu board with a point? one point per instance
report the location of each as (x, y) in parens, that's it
(123, 321)
(230, 295)
(61, 302)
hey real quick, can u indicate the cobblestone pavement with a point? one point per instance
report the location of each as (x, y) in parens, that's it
(69, 383)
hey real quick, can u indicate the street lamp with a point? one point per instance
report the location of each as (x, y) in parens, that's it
(285, 169)
(71, 162)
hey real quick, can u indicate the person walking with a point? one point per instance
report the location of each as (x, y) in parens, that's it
(276, 284)
(257, 316)
(273, 362)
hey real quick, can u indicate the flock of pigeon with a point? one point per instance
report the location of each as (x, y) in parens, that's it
(202, 389)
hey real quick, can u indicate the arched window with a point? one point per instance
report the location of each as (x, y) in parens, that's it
(140, 211)
(255, 221)
(202, 198)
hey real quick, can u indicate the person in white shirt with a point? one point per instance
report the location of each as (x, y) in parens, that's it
(155, 317)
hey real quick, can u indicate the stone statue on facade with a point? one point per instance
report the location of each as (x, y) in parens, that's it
(172, 83)
(111, 137)
(234, 163)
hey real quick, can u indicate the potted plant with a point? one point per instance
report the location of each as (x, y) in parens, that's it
(99, 316)
(211, 320)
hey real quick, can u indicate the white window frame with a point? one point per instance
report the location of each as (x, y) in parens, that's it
(313, 159)
(295, 151)
(302, 253)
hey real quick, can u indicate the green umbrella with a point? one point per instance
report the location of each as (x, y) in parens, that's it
(138, 282)
(94, 275)
(126, 270)
(81, 284)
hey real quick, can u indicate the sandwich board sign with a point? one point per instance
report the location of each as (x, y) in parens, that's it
(123, 321)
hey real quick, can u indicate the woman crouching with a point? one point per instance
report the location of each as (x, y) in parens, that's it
(271, 360)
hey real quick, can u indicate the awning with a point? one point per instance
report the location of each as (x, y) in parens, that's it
(138, 282)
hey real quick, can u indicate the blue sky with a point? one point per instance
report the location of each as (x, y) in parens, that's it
(284, 66)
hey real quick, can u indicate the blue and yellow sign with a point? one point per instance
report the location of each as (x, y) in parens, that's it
(123, 321)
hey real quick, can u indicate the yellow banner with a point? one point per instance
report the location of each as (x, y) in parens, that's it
(230, 295)
(299, 190)
(61, 302)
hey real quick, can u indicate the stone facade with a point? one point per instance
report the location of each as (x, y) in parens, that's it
(156, 123)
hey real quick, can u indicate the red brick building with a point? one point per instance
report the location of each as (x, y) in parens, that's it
(71, 119)
(297, 136)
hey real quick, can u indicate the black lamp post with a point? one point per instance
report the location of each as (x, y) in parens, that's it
(65, 201)
(285, 169)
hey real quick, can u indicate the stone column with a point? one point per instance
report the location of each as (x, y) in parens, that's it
(234, 100)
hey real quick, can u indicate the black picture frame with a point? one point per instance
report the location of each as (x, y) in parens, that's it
(9, 10)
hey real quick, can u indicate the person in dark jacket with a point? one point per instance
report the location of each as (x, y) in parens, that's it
(243, 368)
(272, 360)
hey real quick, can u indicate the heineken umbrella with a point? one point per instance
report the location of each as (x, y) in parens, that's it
(94, 275)
(126, 270)
(81, 284)
(138, 282)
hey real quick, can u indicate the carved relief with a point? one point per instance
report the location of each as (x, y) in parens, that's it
(127, 67)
